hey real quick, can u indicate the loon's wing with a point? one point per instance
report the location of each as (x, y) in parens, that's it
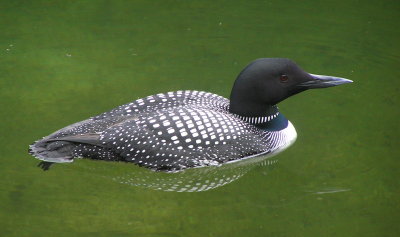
(89, 138)
(184, 137)
(77, 140)
(169, 140)
(168, 100)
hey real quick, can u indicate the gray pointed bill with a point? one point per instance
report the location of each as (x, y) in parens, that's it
(322, 81)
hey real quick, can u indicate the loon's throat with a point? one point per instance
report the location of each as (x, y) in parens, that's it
(259, 120)
(268, 115)
(279, 123)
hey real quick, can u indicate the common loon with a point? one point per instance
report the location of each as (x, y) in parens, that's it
(185, 129)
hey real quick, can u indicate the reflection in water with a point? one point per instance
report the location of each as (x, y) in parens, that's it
(330, 190)
(189, 180)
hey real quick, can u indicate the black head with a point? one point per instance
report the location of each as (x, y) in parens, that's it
(267, 81)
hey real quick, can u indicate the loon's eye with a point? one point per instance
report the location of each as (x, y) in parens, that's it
(284, 78)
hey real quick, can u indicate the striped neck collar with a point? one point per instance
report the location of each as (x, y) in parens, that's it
(270, 113)
(258, 120)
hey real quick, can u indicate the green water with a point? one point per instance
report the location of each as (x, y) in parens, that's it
(64, 61)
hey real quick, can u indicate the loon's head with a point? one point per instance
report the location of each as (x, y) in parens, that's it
(267, 81)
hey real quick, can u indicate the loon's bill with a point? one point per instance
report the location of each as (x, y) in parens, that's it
(322, 81)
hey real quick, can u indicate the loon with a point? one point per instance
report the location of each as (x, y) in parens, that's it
(186, 129)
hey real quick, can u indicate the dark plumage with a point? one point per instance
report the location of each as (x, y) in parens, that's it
(184, 129)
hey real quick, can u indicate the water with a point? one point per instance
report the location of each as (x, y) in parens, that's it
(62, 61)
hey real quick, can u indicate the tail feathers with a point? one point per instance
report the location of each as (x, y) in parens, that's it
(65, 149)
(52, 151)
(61, 149)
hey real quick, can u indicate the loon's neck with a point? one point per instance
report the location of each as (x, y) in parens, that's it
(280, 122)
(260, 117)
(272, 120)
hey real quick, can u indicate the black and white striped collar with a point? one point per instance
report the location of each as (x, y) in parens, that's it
(258, 120)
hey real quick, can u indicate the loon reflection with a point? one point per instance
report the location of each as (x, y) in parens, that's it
(189, 180)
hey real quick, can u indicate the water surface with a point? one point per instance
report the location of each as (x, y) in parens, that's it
(64, 61)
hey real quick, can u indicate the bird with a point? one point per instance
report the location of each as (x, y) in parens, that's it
(184, 129)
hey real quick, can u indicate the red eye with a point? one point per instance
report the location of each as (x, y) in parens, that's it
(284, 78)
